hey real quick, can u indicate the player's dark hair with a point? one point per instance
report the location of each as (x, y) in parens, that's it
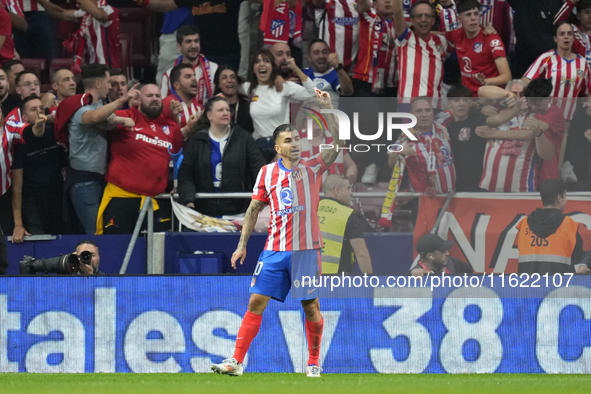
(538, 88)
(175, 73)
(92, 72)
(17, 80)
(184, 31)
(254, 82)
(459, 90)
(117, 71)
(418, 3)
(467, 5)
(6, 66)
(26, 100)
(281, 129)
(583, 5)
(550, 190)
(88, 242)
(203, 122)
(561, 24)
(218, 73)
(316, 41)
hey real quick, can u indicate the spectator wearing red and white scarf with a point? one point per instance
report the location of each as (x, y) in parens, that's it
(189, 43)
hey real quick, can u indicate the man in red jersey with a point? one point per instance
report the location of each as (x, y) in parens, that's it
(139, 162)
(291, 187)
(482, 57)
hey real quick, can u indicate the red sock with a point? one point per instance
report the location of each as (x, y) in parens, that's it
(248, 330)
(314, 336)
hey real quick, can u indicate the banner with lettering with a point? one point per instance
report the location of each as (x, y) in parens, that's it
(483, 226)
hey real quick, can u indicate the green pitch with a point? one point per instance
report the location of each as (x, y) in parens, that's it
(291, 383)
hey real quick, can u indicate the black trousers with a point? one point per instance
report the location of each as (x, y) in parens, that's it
(3, 254)
(121, 215)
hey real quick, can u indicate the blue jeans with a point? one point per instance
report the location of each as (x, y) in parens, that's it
(86, 199)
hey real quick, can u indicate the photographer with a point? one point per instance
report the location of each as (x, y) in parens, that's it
(92, 248)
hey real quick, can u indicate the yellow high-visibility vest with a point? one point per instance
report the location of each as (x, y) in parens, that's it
(333, 217)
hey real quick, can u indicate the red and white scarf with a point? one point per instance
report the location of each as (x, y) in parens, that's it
(281, 21)
(448, 17)
(205, 82)
(382, 55)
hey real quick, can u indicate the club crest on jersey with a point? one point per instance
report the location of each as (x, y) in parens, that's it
(286, 196)
(277, 26)
(166, 130)
(464, 134)
(478, 47)
(297, 175)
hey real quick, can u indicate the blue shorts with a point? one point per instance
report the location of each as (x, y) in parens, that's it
(275, 273)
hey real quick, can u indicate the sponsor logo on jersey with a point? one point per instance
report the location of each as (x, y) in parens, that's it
(154, 141)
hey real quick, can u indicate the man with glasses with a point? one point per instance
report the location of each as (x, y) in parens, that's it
(341, 228)
(27, 84)
(420, 53)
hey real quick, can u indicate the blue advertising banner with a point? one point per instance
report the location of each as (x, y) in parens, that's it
(185, 323)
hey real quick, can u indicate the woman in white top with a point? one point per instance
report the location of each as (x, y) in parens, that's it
(269, 107)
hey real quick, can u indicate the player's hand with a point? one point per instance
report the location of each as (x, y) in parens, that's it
(333, 59)
(533, 124)
(131, 95)
(127, 122)
(86, 269)
(418, 272)
(240, 253)
(485, 132)
(176, 107)
(583, 269)
(20, 231)
(192, 122)
(323, 98)
(489, 30)
(480, 78)
(292, 64)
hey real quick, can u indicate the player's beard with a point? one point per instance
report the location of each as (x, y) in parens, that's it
(151, 112)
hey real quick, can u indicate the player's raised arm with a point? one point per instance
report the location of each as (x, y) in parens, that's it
(250, 218)
(330, 155)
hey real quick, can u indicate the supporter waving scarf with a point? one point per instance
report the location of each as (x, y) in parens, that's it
(280, 21)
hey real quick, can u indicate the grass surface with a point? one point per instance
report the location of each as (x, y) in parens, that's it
(258, 383)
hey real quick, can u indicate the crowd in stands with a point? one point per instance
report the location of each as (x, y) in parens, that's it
(493, 85)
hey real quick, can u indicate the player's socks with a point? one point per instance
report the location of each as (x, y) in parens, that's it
(314, 336)
(248, 330)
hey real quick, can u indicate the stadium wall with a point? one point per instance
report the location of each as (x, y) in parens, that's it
(184, 323)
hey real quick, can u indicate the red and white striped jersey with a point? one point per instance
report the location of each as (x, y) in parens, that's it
(432, 165)
(10, 134)
(569, 78)
(498, 14)
(509, 165)
(448, 17)
(338, 25)
(293, 196)
(582, 43)
(420, 64)
(20, 6)
(309, 150)
(15, 116)
(193, 109)
(371, 28)
(102, 38)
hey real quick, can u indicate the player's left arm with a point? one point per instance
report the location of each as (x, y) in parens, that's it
(330, 155)
(250, 219)
(504, 73)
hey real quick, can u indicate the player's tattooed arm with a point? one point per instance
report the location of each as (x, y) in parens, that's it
(330, 155)
(250, 218)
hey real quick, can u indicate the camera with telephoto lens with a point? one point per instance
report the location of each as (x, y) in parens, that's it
(68, 264)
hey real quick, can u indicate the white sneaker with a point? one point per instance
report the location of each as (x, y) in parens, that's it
(313, 371)
(370, 175)
(567, 173)
(229, 367)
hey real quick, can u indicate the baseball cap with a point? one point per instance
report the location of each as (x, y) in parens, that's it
(431, 242)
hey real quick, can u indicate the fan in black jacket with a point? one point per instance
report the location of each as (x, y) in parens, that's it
(240, 163)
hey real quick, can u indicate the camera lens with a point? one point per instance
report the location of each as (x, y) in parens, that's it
(86, 257)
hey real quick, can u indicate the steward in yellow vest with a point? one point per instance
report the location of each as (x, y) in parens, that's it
(548, 240)
(341, 229)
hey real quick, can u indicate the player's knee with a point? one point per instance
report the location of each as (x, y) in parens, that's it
(257, 304)
(312, 309)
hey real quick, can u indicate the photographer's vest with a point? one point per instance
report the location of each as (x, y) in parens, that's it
(554, 249)
(333, 217)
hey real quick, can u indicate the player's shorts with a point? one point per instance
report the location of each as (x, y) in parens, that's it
(276, 272)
